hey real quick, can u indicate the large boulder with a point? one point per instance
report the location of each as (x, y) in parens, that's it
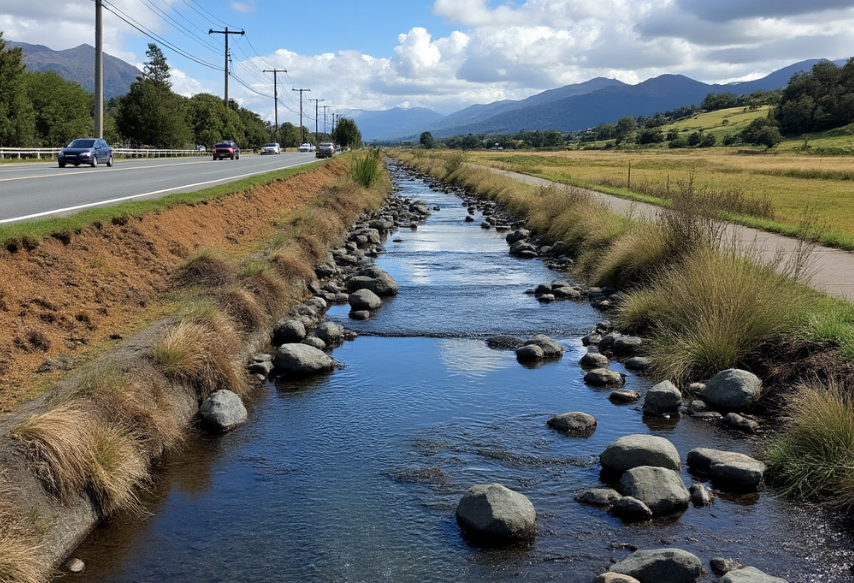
(551, 349)
(574, 423)
(750, 575)
(661, 566)
(290, 331)
(302, 360)
(374, 279)
(733, 389)
(603, 377)
(727, 468)
(222, 411)
(660, 489)
(626, 345)
(364, 299)
(494, 514)
(662, 398)
(331, 333)
(636, 450)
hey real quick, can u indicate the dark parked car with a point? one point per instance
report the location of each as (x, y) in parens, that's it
(91, 151)
(226, 150)
(325, 150)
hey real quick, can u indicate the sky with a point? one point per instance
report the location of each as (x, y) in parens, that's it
(440, 54)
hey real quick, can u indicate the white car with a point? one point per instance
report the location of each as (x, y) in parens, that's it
(305, 148)
(272, 148)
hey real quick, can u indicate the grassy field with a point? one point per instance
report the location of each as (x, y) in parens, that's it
(791, 185)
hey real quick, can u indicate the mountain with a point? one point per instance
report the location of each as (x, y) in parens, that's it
(395, 122)
(577, 107)
(78, 64)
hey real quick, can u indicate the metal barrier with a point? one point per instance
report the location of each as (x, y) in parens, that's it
(52, 153)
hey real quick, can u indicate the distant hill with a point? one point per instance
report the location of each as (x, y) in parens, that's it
(395, 122)
(78, 64)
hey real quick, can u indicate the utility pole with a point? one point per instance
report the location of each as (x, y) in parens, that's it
(325, 109)
(301, 130)
(226, 32)
(276, 98)
(99, 69)
(316, 118)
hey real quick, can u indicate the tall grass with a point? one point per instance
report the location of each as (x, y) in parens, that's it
(19, 547)
(712, 310)
(367, 169)
(813, 457)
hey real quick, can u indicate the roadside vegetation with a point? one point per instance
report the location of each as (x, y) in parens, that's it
(103, 434)
(705, 305)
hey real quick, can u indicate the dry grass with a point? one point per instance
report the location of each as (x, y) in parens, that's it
(19, 547)
(117, 467)
(201, 354)
(243, 309)
(205, 268)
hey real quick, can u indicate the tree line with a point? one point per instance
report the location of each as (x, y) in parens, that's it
(41, 109)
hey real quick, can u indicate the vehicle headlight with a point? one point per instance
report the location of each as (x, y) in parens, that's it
(85, 154)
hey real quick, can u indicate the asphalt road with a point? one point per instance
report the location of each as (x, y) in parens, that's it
(35, 190)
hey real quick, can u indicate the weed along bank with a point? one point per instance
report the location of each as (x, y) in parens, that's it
(442, 384)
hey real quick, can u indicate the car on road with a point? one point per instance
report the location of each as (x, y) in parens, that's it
(91, 151)
(272, 148)
(306, 147)
(325, 150)
(226, 149)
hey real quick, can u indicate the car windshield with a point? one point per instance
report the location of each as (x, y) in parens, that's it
(270, 145)
(223, 145)
(82, 144)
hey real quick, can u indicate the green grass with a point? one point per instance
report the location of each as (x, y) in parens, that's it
(27, 235)
(367, 168)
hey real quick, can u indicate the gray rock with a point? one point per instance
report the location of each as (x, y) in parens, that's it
(591, 340)
(315, 342)
(660, 489)
(374, 279)
(662, 398)
(364, 299)
(546, 298)
(574, 423)
(360, 315)
(631, 451)
(530, 353)
(599, 497)
(567, 293)
(222, 411)
(551, 349)
(602, 377)
(608, 340)
(733, 389)
(261, 368)
(625, 345)
(504, 342)
(302, 360)
(614, 578)
(721, 566)
(727, 468)
(518, 235)
(638, 363)
(291, 331)
(750, 575)
(594, 359)
(318, 304)
(700, 495)
(331, 333)
(661, 566)
(522, 249)
(496, 514)
(631, 509)
(741, 423)
(624, 396)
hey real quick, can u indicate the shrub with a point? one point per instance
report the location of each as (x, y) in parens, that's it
(367, 169)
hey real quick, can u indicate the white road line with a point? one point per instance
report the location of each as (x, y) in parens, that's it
(133, 196)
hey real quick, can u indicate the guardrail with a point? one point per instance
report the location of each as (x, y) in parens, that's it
(52, 153)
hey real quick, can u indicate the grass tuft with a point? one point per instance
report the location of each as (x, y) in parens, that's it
(206, 268)
(367, 169)
(19, 547)
(813, 457)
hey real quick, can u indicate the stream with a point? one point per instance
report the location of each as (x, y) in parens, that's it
(355, 476)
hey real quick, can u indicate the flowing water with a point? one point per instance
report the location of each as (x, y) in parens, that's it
(355, 476)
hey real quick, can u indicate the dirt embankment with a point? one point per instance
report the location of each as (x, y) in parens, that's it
(67, 300)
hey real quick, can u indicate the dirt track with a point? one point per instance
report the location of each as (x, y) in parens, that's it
(64, 302)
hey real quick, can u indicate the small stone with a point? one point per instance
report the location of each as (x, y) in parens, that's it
(575, 423)
(76, 565)
(721, 566)
(598, 497)
(624, 396)
(700, 495)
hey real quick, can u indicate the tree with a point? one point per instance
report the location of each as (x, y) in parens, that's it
(17, 119)
(625, 127)
(156, 69)
(427, 140)
(347, 134)
(762, 131)
(63, 109)
(211, 121)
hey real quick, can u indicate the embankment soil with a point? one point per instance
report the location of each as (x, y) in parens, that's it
(65, 301)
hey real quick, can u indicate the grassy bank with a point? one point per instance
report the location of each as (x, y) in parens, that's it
(102, 434)
(705, 305)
